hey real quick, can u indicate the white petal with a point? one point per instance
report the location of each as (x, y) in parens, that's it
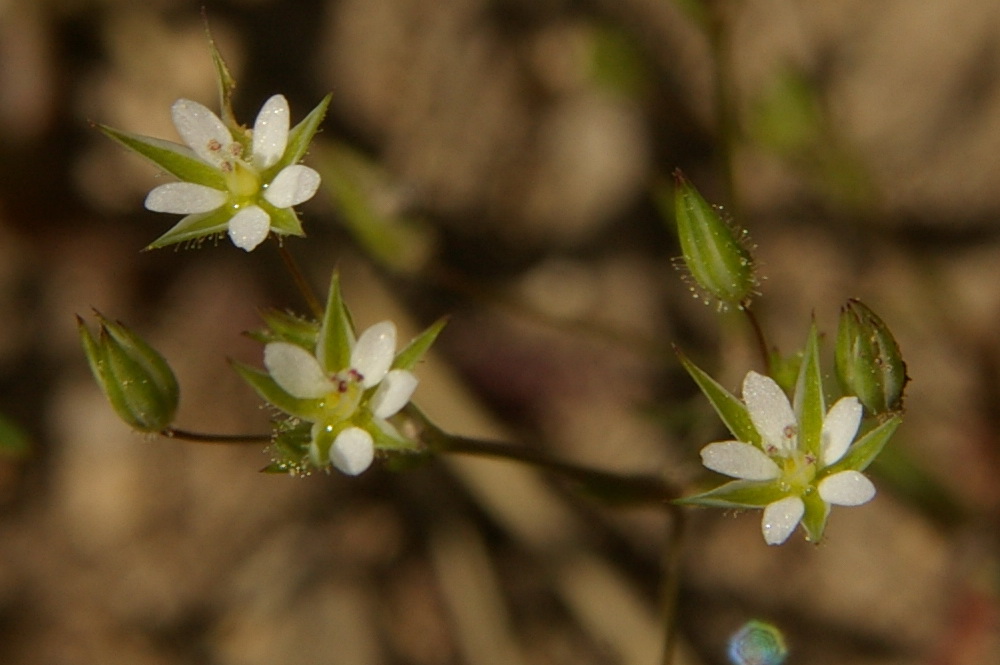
(270, 132)
(770, 412)
(184, 198)
(202, 130)
(781, 518)
(839, 428)
(296, 370)
(393, 393)
(293, 185)
(352, 451)
(249, 227)
(846, 488)
(373, 353)
(739, 460)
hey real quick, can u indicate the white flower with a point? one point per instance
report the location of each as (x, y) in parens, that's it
(367, 391)
(780, 458)
(250, 186)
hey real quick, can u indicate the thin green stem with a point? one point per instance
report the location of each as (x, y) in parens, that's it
(758, 332)
(612, 488)
(301, 283)
(725, 115)
(199, 437)
(671, 582)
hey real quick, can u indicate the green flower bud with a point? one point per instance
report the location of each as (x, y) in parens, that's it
(713, 250)
(868, 361)
(135, 378)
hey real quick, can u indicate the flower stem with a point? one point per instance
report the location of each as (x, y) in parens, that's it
(758, 333)
(617, 489)
(671, 582)
(300, 282)
(199, 437)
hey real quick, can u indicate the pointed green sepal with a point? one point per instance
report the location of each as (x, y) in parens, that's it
(809, 403)
(866, 449)
(418, 346)
(387, 437)
(284, 221)
(299, 138)
(287, 327)
(815, 516)
(290, 448)
(271, 392)
(731, 409)
(336, 333)
(738, 494)
(134, 377)
(195, 226)
(225, 82)
(175, 159)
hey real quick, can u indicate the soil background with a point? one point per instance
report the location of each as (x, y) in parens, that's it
(526, 141)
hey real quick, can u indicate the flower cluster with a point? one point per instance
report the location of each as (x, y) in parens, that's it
(792, 460)
(233, 180)
(339, 392)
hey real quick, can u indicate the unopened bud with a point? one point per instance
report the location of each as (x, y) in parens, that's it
(713, 250)
(135, 378)
(868, 361)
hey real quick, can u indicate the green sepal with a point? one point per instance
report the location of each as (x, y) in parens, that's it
(731, 409)
(387, 437)
(336, 332)
(14, 441)
(174, 158)
(272, 393)
(192, 227)
(287, 327)
(284, 221)
(299, 138)
(290, 448)
(815, 516)
(226, 82)
(866, 449)
(809, 403)
(868, 360)
(414, 352)
(738, 494)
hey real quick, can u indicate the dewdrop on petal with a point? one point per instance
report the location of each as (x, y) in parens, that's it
(712, 249)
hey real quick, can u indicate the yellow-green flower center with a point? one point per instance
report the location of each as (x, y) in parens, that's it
(242, 180)
(798, 471)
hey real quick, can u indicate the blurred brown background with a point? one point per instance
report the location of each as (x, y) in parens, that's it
(527, 134)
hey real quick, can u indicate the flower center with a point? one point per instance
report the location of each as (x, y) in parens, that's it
(243, 181)
(798, 471)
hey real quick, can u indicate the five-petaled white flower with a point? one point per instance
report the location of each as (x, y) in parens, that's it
(251, 189)
(781, 459)
(349, 402)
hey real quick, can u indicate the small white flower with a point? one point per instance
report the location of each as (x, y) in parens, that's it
(781, 459)
(367, 391)
(250, 189)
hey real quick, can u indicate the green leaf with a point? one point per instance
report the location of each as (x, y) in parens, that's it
(809, 403)
(815, 516)
(739, 494)
(192, 227)
(271, 392)
(418, 346)
(866, 449)
(336, 333)
(730, 408)
(175, 159)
